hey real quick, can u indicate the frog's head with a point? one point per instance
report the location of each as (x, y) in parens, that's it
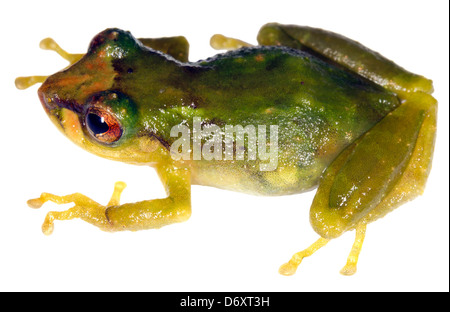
(84, 102)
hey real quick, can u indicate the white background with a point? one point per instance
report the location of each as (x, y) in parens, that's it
(233, 242)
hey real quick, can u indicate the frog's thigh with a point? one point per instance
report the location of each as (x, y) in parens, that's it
(177, 47)
(383, 169)
(348, 53)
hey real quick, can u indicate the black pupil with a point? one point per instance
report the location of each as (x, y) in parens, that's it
(97, 124)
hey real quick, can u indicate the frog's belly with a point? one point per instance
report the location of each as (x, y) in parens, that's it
(247, 177)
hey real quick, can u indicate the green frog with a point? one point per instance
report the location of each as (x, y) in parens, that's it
(304, 108)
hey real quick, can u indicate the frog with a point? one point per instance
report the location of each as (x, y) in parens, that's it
(342, 118)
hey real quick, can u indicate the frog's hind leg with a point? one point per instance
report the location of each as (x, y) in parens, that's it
(46, 44)
(290, 267)
(352, 260)
(347, 53)
(383, 169)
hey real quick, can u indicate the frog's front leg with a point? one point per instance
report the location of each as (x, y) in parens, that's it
(47, 44)
(177, 47)
(146, 214)
(221, 42)
(85, 208)
(382, 170)
(150, 214)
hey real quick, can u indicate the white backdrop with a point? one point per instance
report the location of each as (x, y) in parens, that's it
(233, 242)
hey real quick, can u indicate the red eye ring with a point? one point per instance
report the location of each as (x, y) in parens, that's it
(103, 125)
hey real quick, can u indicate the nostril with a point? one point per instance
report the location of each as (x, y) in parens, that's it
(51, 101)
(42, 97)
(46, 101)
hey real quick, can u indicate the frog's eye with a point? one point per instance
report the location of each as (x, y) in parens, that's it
(103, 125)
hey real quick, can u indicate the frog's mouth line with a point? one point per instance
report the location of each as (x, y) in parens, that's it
(64, 114)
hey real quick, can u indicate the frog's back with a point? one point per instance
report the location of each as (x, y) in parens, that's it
(253, 79)
(319, 109)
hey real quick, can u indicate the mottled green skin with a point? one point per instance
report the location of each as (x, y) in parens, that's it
(335, 102)
(318, 108)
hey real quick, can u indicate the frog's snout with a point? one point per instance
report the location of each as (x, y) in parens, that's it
(47, 103)
(51, 103)
(65, 115)
(49, 96)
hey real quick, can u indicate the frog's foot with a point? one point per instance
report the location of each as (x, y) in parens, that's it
(289, 268)
(46, 44)
(50, 44)
(220, 42)
(352, 260)
(147, 214)
(85, 208)
(23, 83)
